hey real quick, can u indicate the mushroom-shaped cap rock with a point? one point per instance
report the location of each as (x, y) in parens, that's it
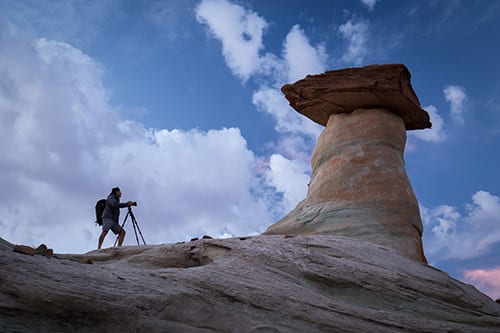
(343, 91)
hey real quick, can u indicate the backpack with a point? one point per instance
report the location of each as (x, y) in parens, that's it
(99, 209)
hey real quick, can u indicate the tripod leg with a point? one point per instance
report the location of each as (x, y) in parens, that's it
(135, 230)
(123, 225)
(140, 233)
(134, 222)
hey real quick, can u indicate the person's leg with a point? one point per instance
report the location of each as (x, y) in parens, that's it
(101, 239)
(106, 225)
(117, 230)
(121, 237)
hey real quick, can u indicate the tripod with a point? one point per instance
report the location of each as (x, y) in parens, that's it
(134, 224)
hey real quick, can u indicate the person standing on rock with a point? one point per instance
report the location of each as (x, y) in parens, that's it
(111, 215)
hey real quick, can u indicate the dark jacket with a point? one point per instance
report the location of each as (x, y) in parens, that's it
(112, 209)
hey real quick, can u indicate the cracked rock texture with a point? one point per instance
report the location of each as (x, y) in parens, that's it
(258, 284)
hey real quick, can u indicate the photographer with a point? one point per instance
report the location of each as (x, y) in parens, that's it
(111, 215)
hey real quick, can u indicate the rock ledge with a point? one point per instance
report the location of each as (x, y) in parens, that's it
(258, 284)
(370, 87)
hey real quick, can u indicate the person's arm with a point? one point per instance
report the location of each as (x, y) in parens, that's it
(126, 204)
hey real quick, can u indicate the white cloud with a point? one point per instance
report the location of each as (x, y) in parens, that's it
(68, 147)
(485, 212)
(289, 177)
(369, 3)
(273, 69)
(297, 134)
(355, 31)
(434, 134)
(190, 182)
(301, 57)
(292, 146)
(450, 234)
(272, 101)
(240, 32)
(446, 221)
(228, 22)
(457, 97)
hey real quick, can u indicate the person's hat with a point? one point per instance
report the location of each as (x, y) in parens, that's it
(115, 189)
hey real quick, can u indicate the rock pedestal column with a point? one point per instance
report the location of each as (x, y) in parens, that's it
(359, 186)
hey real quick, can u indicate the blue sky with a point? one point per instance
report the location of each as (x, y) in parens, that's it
(178, 103)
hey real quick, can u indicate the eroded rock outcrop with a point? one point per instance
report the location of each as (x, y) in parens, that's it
(359, 186)
(250, 284)
(41, 250)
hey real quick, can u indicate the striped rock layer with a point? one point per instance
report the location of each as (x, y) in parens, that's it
(359, 186)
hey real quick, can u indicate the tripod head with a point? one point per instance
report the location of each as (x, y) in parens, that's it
(130, 207)
(134, 224)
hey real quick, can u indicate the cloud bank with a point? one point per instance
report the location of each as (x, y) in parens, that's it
(68, 146)
(229, 23)
(355, 32)
(450, 234)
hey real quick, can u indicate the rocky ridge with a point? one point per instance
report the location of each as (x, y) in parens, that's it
(314, 283)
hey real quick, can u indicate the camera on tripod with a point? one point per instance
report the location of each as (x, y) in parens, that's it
(135, 225)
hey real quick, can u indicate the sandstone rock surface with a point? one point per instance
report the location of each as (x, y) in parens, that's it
(370, 87)
(258, 284)
(359, 187)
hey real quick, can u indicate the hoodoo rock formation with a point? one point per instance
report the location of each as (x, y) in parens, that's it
(359, 186)
(355, 263)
